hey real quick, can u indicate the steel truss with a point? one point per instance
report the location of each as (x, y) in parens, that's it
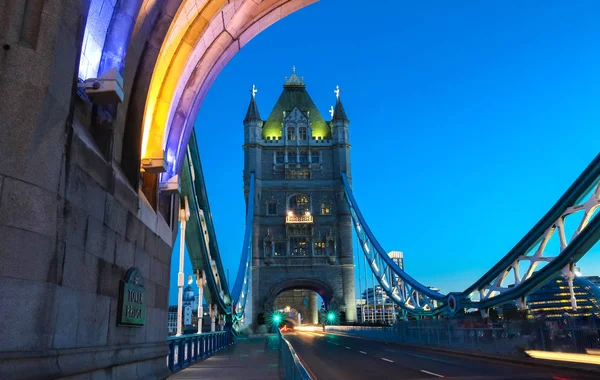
(526, 267)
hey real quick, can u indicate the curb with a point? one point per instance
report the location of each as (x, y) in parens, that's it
(517, 360)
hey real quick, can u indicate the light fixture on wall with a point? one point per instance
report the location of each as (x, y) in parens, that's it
(107, 89)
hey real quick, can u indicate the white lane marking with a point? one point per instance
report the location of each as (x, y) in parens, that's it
(347, 347)
(387, 360)
(337, 344)
(431, 373)
(387, 349)
(362, 352)
(428, 358)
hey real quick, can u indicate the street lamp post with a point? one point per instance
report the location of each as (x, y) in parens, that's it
(184, 215)
(200, 282)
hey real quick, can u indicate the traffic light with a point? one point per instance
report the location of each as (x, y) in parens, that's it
(331, 316)
(276, 319)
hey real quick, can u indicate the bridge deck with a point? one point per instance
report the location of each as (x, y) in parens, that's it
(250, 358)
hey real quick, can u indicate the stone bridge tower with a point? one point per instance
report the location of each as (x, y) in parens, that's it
(302, 233)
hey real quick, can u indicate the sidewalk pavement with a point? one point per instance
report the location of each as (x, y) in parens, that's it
(251, 358)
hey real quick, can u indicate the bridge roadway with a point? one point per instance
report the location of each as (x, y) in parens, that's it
(331, 356)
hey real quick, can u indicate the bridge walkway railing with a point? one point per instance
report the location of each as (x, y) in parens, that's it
(185, 350)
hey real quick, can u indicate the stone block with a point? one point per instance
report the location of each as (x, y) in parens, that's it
(125, 251)
(138, 334)
(124, 192)
(159, 368)
(82, 376)
(166, 275)
(103, 374)
(28, 207)
(32, 145)
(128, 371)
(150, 240)
(100, 240)
(161, 298)
(89, 160)
(155, 332)
(117, 334)
(65, 335)
(156, 270)
(92, 320)
(150, 292)
(135, 229)
(74, 220)
(26, 255)
(27, 315)
(83, 192)
(81, 270)
(142, 261)
(115, 215)
(163, 252)
(109, 277)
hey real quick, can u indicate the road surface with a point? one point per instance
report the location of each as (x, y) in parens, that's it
(329, 356)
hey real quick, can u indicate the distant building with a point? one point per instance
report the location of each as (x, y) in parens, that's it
(553, 300)
(190, 314)
(594, 279)
(189, 300)
(398, 258)
(172, 320)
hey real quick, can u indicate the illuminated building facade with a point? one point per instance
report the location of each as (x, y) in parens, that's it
(302, 232)
(553, 300)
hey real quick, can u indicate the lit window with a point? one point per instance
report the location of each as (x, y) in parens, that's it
(325, 208)
(272, 208)
(300, 204)
(298, 246)
(319, 248)
(291, 133)
(302, 133)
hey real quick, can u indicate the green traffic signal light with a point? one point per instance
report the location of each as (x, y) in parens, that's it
(330, 316)
(276, 318)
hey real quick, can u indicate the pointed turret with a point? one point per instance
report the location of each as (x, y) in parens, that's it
(339, 115)
(252, 122)
(339, 120)
(252, 115)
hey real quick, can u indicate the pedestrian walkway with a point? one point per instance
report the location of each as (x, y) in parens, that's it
(250, 358)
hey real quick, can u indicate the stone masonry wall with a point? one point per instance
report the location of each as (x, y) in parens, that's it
(70, 223)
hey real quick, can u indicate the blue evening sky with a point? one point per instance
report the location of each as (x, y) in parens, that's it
(468, 119)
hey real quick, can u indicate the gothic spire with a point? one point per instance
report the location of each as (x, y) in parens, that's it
(252, 114)
(339, 114)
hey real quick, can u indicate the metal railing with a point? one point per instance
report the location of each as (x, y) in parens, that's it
(184, 350)
(299, 219)
(290, 365)
(506, 339)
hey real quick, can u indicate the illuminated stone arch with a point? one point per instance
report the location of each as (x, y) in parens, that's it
(169, 54)
(195, 49)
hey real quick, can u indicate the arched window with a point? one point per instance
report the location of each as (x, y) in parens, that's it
(302, 133)
(299, 204)
(291, 133)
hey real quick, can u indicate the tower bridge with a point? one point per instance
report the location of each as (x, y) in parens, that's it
(100, 172)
